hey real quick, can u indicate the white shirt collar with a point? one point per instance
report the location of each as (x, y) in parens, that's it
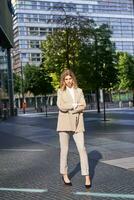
(71, 91)
(68, 88)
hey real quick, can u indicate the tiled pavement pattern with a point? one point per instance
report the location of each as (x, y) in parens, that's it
(29, 157)
(126, 163)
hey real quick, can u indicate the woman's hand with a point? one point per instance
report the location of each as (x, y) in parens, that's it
(75, 105)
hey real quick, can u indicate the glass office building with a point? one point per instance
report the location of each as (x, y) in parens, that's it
(3, 79)
(35, 19)
(6, 43)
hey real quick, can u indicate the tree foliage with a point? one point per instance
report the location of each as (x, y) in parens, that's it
(37, 81)
(98, 59)
(17, 83)
(84, 48)
(126, 71)
(60, 50)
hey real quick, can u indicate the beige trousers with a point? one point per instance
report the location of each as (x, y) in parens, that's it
(64, 146)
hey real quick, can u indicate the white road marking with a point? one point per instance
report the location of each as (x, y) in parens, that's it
(105, 195)
(24, 190)
(27, 150)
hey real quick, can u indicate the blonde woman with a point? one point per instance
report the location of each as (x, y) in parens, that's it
(71, 104)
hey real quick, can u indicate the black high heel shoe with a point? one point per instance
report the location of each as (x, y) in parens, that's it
(69, 184)
(88, 186)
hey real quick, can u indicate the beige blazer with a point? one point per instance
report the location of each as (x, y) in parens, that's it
(68, 118)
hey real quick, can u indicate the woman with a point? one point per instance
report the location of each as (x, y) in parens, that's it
(71, 103)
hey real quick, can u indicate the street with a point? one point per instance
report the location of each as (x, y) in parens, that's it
(29, 152)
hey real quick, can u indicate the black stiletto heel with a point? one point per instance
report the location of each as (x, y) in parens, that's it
(69, 184)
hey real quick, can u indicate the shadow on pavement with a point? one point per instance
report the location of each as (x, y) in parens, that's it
(94, 157)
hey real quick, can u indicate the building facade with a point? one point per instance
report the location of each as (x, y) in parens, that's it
(6, 43)
(35, 19)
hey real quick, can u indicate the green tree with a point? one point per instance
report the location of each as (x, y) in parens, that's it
(85, 49)
(58, 55)
(130, 75)
(61, 49)
(4, 80)
(37, 81)
(126, 72)
(98, 60)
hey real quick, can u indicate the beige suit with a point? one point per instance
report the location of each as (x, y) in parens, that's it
(70, 122)
(69, 119)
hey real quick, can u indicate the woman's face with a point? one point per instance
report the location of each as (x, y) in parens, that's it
(68, 81)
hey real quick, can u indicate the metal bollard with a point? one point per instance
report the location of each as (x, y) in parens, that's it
(0, 113)
(130, 104)
(120, 104)
(15, 112)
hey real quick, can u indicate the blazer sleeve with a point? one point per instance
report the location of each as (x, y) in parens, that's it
(82, 101)
(62, 105)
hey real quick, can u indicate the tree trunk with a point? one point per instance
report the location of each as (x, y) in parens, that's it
(133, 97)
(98, 100)
(67, 48)
(104, 105)
(46, 104)
(19, 102)
(36, 104)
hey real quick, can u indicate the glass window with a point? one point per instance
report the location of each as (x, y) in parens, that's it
(79, 7)
(43, 31)
(45, 5)
(24, 57)
(43, 18)
(23, 44)
(34, 4)
(36, 57)
(58, 6)
(85, 8)
(57, 18)
(4, 99)
(20, 18)
(34, 18)
(33, 31)
(70, 7)
(34, 44)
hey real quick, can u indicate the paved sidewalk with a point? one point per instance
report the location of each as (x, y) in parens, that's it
(29, 152)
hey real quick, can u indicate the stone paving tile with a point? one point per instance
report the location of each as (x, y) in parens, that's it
(40, 169)
(107, 148)
(126, 163)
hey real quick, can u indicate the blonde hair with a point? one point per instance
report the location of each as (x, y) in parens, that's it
(67, 72)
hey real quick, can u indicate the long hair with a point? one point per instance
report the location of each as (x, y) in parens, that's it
(65, 73)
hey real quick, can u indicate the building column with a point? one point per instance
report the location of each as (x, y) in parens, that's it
(10, 83)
